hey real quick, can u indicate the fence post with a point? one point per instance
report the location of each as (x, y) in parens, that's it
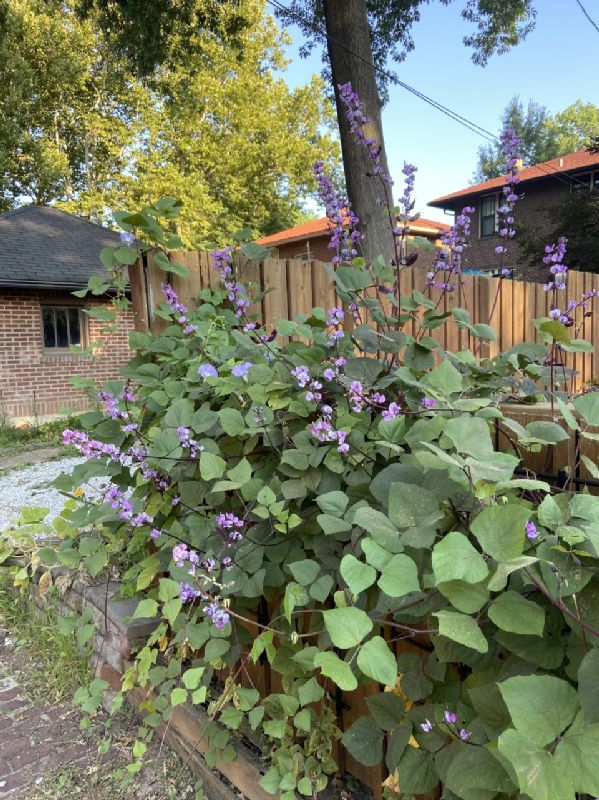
(137, 284)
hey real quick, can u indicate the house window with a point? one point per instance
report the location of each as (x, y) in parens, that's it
(62, 327)
(488, 214)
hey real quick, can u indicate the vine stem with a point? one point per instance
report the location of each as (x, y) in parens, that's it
(561, 606)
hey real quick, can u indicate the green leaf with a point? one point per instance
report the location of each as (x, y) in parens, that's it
(444, 379)
(512, 612)
(146, 609)
(337, 670)
(576, 756)
(539, 775)
(178, 696)
(546, 432)
(500, 530)
(454, 558)
(241, 473)
(399, 576)
(310, 692)
(378, 526)
(541, 706)
(304, 572)
(172, 609)
(498, 581)
(417, 772)
(411, 506)
(357, 575)
(474, 774)
(333, 503)
(376, 661)
(466, 597)
(387, 708)
(364, 740)
(587, 406)
(588, 685)
(462, 629)
(347, 626)
(231, 421)
(469, 435)
(193, 677)
(211, 466)
(332, 525)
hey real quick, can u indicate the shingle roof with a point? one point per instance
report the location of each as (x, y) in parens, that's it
(569, 163)
(42, 246)
(316, 227)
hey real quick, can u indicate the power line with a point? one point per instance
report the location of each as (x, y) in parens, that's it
(587, 15)
(461, 120)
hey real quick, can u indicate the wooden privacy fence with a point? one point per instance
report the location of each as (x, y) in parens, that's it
(297, 286)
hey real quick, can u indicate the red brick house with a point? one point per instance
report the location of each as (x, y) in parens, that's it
(542, 187)
(310, 240)
(45, 255)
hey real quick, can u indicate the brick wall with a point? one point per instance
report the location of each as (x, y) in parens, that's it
(531, 213)
(319, 251)
(34, 382)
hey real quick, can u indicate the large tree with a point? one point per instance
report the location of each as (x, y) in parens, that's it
(218, 128)
(359, 36)
(542, 135)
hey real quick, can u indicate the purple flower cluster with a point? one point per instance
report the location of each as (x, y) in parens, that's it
(241, 370)
(324, 431)
(345, 237)
(335, 316)
(428, 402)
(237, 295)
(229, 523)
(510, 147)
(177, 308)
(450, 718)
(110, 405)
(187, 443)
(406, 202)
(354, 112)
(302, 376)
(182, 555)
(218, 615)
(118, 500)
(450, 257)
(531, 531)
(554, 259)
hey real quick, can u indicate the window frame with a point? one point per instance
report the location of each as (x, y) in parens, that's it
(83, 330)
(592, 182)
(495, 196)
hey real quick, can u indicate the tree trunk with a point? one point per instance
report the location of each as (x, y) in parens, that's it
(347, 23)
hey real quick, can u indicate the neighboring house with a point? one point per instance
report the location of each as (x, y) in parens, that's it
(311, 240)
(46, 254)
(543, 188)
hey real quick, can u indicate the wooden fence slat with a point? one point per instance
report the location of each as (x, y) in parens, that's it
(275, 302)
(299, 287)
(187, 286)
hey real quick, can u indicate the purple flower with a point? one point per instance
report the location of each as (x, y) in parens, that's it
(428, 402)
(207, 371)
(450, 717)
(155, 533)
(393, 411)
(342, 221)
(187, 592)
(531, 531)
(127, 237)
(217, 614)
(335, 316)
(426, 726)
(329, 374)
(465, 735)
(241, 370)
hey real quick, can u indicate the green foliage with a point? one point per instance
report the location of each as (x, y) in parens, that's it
(417, 533)
(213, 122)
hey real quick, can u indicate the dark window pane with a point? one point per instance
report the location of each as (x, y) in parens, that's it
(49, 332)
(62, 331)
(74, 330)
(487, 225)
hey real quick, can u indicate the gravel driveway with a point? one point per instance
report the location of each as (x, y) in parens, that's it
(32, 486)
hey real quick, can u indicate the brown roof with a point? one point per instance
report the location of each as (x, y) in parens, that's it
(569, 163)
(320, 226)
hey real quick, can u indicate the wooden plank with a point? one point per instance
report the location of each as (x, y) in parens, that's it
(275, 302)
(139, 298)
(205, 269)
(323, 286)
(299, 287)
(155, 277)
(188, 287)
(251, 278)
(354, 707)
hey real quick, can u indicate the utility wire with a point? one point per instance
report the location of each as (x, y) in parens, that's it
(587, 15)
(461, 120)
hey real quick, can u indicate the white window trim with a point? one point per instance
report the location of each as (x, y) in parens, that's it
(480, 215)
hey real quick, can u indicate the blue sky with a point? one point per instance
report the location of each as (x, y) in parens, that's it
(557, 64)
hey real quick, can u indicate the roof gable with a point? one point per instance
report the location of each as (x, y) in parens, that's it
(43, 246)
(572, 162)
(321, 226)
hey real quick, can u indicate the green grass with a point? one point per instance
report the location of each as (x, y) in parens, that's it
(19, 440)
(53, 664)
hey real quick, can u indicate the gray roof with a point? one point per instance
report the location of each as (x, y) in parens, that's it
(41, 246)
